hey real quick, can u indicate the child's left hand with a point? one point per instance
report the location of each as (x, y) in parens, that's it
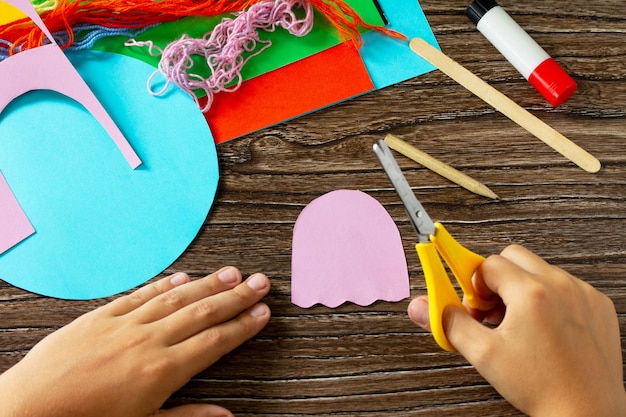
(127, 357)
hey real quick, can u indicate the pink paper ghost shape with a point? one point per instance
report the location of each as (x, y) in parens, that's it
(346, 247)
(47, 68)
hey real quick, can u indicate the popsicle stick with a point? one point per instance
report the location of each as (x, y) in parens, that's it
(506, 106)
(439, 167)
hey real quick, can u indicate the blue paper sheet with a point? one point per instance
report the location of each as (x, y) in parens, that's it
(388, 60)
(101, 227)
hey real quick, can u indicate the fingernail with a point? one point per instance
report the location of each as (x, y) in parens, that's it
(179, 278)
(257, 282)
(228, 275)
(258, 310)
(419, 312)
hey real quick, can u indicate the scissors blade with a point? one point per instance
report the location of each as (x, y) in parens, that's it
(421, 221)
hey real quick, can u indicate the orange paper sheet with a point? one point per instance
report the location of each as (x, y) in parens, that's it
(298, 88)
(9, 13)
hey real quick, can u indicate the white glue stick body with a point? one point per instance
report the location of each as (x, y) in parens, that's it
(522, 51)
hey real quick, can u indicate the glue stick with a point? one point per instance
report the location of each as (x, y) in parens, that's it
(521, 51)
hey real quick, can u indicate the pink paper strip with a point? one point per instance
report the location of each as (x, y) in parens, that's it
(47, 68)
(14, 225)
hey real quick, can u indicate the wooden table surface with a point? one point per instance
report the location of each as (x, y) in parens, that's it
(372, 361)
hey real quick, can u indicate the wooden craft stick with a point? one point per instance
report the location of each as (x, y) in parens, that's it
(506, 106)
(439, 167)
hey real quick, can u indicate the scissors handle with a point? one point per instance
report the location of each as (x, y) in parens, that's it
(462, 262)
(441, 292)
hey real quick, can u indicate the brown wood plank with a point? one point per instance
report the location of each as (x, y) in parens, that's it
(372, 361)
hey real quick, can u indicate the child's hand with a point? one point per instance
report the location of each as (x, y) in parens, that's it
(556, 348)
(127, 357)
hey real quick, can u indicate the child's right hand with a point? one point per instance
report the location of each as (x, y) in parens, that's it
(556, 348)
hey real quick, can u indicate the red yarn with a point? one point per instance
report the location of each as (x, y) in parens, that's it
(347, 21)
(136, 14)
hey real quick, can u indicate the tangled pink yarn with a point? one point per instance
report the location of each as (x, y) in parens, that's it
(223, 48)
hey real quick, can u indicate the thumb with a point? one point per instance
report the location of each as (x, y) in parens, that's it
(195, 410)
(418, 312)
(469, 337)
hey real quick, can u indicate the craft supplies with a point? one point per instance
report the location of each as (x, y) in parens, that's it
(439, 167)
(435, 243)
(68, 14)
(226, 49)
(346, 247)
(100, 227)
(506, 106)
(47, 67)
(542, 71)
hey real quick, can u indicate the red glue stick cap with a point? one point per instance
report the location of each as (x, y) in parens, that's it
(552, 82)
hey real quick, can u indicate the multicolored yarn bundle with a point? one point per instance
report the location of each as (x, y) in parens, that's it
(77, 24)
(224, 47)
(66, 15)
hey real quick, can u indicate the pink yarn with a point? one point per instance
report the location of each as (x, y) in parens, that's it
(223, 48)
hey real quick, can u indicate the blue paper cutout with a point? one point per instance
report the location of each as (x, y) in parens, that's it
(101, 227)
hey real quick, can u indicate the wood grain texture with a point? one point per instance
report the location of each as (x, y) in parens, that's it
(372, 361)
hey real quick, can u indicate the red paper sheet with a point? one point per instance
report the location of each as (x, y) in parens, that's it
(269, 98)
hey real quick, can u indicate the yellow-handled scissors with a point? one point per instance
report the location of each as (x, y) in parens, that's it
(434, 240)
